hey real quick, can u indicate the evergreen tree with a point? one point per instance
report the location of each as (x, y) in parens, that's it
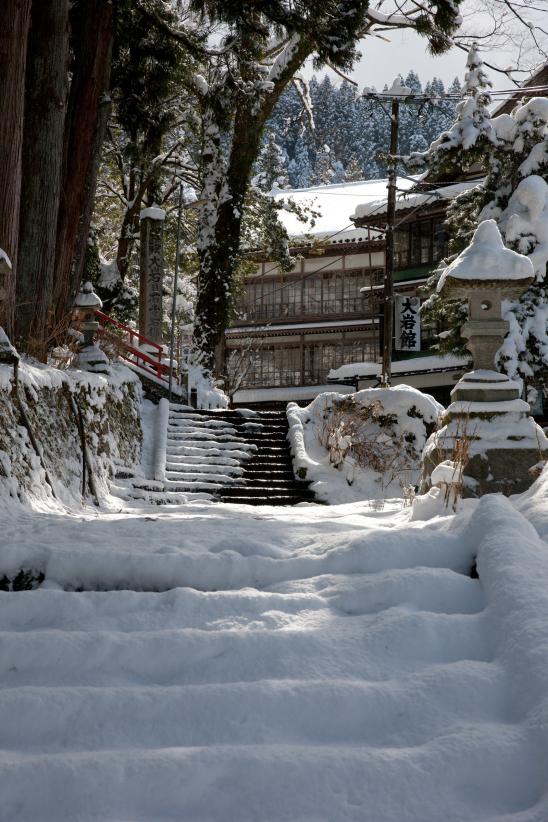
(471, 134)
(354, 171)
(513, 151)
(300, 167)
(323, 172)
(271, 166)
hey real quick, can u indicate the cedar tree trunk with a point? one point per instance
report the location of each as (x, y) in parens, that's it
(45, 106)
(92, 35)
(14, 24)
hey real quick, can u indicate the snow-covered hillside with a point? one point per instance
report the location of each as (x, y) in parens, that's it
(311, 663)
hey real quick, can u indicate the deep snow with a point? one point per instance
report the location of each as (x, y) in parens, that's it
(306, 664)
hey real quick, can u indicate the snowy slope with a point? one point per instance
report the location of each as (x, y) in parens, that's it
(315, 664)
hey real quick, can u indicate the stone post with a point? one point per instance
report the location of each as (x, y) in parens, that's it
(152, 273)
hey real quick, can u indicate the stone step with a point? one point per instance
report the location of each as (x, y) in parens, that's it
(265, 490)
(265, 436)
(181, 463)
(278, 500)
(200, 476)
(272, 475)
(204, 444)
(238, 457)
(184, 486)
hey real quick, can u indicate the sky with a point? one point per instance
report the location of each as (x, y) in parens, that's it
(382, 61)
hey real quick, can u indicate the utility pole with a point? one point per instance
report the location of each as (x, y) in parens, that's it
(389, 248)
(397, 94)
(181, 207)
(174, 295)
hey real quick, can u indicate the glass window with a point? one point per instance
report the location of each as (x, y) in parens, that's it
(441, 240)
(401, 247)
(421, 235)
(332, 293)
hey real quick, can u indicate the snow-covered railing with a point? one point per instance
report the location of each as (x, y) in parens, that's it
(135, 349)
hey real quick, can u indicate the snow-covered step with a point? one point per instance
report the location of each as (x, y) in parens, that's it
(307, 711)
(459, 779)
(178, 465)
(199, 476)
(210, 445)
(205, 461)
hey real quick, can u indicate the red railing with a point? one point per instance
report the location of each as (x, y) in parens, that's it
(130, 342)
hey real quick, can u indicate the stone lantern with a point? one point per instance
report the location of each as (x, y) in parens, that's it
(486, 415)
(485, 274)
(90, 356)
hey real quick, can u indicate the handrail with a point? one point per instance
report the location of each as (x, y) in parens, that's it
(132, 333)
(148, 362)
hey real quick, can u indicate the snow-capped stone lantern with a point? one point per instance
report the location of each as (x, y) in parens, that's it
(484, 274)
(90, 356)
(486, 420)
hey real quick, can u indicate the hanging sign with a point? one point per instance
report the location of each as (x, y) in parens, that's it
(407, 324)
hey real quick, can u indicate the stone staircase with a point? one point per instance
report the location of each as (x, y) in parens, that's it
(239, 456)
(131, 485)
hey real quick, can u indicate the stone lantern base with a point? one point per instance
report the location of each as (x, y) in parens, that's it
(504, 441)
(91, 358)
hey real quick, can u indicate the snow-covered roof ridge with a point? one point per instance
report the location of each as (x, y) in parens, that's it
(434, 362)
(335, 202)
(412, 199)
(487, 258)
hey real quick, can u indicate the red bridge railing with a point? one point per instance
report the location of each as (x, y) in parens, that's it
(130, 345)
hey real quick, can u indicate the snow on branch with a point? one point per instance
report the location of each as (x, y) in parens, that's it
(303, 90)
(283, 59)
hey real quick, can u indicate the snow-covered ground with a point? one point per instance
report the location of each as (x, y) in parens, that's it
(306, 664)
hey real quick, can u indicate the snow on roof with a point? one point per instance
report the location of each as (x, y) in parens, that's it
(336, 203)
(297, 326)
(285, 394)
(487, 258)
(403, 201)
(373, 369)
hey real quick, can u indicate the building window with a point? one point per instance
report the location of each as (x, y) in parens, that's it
(441, 241)
(421, 236)
(328, 293)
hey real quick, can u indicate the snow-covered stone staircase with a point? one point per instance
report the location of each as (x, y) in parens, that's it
(322, 669)
(236, 456)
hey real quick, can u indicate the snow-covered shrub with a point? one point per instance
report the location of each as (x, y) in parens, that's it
(362, 446)
(209, 395)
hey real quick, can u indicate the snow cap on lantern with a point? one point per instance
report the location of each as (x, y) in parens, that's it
(484, 274)
(487, 262)
(87, 298)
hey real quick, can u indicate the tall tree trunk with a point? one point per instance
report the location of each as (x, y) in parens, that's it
(14, 25)
(45, 107)
(92, 34)
(218, 254)
(90, 186)
(225, 190)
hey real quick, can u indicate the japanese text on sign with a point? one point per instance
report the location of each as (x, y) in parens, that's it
(408, 324)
